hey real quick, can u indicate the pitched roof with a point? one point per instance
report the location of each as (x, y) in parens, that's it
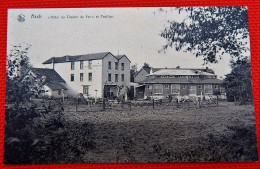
(53, 79)
(156, 80)
(147, 69)
(93, 56)
(121, 56)
(54, 85)
(68, 58)
(156, 69)
(176, 71)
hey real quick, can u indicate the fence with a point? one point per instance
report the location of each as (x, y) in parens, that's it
(74, 105)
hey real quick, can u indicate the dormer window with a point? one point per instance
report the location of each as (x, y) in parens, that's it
(72, 65)
(90, 64)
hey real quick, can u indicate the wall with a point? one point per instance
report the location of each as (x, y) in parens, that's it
(55, 94)
(183, 91)
(140, 76)
(75, 87)
(113, 71)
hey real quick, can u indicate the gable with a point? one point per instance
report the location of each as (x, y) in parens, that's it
(122, 57)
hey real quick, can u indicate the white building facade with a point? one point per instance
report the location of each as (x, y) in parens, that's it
(94, 75)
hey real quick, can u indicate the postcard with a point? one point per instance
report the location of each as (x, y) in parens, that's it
(129, 85)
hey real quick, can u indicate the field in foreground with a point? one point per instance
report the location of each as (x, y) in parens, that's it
(163, 134)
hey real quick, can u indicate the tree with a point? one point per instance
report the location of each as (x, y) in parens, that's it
(209, 32)
(21, 85)
(238, 83)
(133, 71)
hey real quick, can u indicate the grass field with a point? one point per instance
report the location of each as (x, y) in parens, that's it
(164, 134)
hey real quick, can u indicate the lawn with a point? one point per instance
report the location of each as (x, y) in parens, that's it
(164, 134)
(222, 133)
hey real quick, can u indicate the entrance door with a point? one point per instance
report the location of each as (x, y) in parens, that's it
(140, 92)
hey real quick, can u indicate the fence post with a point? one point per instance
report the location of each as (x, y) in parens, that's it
(130, 104)
(177, 103)
(199, 104)
(104, 104)
(76, 107)
(217, 101)
(153, 103)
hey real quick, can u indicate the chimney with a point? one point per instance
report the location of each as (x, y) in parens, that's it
(53, 62)
(178, 67)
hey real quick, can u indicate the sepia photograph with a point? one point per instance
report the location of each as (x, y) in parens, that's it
(129, 85)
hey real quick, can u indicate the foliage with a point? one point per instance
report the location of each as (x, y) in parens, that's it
(238, 83)
(209, 32)
(133, 71)
(33, 138)
(35, 132)
(20, 83)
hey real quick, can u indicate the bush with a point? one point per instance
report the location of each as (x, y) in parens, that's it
(34, 138)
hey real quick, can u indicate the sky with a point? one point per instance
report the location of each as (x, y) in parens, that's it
(76, 31)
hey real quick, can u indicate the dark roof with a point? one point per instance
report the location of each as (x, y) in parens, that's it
(147, 69)
(53, 79)
(54, 85)
(120, 56)
(156, 80)
(61, 59)
(93, 56)
(67, 58)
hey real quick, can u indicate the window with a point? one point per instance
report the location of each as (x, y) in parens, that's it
(72, 65)
(216, 86)
(86, 90)
(116, 65)
(90, 64)
(222, 90)
(72, 77)
(158, 89)
(116, 77)
(59, 92)
(81, 77)
(149, 87)
(192, 90)
(184, 87)
(199, 86)
(166, 86)
(122, 66)
(122, 77)
(175, 89)
(109, 65)
(89, 76)
(81, 64)
(208, 89)
(109, 77)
